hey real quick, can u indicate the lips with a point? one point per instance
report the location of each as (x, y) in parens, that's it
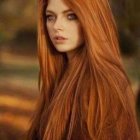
(59, 39)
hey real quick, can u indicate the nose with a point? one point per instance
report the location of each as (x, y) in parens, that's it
(58, 25)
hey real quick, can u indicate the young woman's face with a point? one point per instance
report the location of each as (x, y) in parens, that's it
(63, 26)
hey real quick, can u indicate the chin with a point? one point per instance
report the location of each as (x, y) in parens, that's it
(59, 49)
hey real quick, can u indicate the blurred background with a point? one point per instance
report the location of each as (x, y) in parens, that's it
(19, 65)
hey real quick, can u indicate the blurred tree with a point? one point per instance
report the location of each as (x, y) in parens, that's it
(16, 15)
(127, 15)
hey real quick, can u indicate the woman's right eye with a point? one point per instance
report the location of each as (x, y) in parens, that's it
(50, 17)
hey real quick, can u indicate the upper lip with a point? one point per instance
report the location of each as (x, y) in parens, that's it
(59, 37)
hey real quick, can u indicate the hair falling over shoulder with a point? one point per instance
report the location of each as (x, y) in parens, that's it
(92, 99)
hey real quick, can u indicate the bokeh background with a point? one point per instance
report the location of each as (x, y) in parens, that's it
(19, 65)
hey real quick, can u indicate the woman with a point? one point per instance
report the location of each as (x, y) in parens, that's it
(84, 91)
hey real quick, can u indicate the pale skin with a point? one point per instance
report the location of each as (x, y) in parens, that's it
(62, 21)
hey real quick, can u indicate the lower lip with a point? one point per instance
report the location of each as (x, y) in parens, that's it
(60, 41)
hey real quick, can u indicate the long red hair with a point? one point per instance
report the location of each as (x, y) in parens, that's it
(90, 98)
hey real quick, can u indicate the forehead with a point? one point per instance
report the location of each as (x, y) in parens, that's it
(57, 6)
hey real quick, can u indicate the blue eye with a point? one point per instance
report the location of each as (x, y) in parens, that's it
(72, 16)
(50, 17)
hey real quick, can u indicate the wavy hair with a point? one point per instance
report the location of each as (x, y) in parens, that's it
(89, 98)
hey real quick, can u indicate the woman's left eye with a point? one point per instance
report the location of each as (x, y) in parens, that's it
(72, 16)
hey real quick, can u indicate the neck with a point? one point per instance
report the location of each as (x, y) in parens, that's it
(70, 55)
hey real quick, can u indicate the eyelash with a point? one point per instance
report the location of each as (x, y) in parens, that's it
(72, 14)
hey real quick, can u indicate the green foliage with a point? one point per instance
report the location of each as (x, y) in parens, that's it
(127, 43)
(127, 14)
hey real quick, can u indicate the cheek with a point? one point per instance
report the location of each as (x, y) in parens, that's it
(76, 33)
(49, 29)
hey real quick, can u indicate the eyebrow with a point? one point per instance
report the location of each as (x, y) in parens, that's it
(65, 11)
